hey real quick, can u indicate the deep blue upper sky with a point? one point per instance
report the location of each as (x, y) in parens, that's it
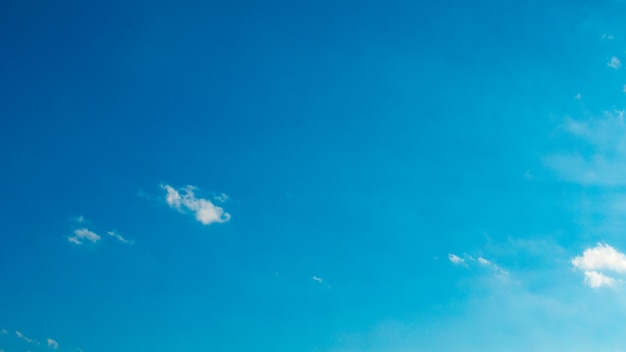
(312, 176)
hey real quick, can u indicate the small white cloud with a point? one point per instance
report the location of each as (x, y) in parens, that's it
(119, 237)
(483, 261)
(615, 63)
(595, 279)
(578, 96)
(83, 234)
(455, 259)
(624, 89)
(3, 332)
(223, 197)
(205, 211)
(601, 257)
(607, 36)
(53, 344)
(29, 340)
(318, 279)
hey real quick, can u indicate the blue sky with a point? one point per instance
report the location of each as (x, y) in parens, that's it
(312, 176)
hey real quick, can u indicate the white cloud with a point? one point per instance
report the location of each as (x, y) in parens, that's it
(53, 344)
(223, 197)
(204, 210)
(29, 340)
(608, 36)
(483, 261)
(615, 63)
(578, 96)
(3, 332)
(455, 259)
(601, 257)
(318, 279)
(595, 279)
(83, 234)
(119, 237)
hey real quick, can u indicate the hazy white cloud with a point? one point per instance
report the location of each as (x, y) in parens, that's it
(318, 279)
(29, 340)
(53, 344)
(80, 235)
(119, 237)
(615, 63)
(608, 36)
(603, 161)
(3, 332)
(455, 259)
(578, 96)
(204, 210)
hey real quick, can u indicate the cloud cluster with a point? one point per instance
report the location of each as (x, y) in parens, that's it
(615, 63)
(204, 210)
(596, 261)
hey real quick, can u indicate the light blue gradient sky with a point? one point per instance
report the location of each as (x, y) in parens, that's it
(340, 155)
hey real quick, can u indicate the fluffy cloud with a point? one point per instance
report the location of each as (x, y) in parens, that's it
(204, 210)
(615, 63)
(53, 344)
(80, 235)
(119, 237)
(601, 258)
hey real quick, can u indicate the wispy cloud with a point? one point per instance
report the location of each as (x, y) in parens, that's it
(615, 63)
(317, 279)
(29, 340)
(84, 234)
(120, 238)
(3, 332)
(53, 344)
(204, 210)
(596, 261)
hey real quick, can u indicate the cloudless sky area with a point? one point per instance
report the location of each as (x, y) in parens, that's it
(334, 176)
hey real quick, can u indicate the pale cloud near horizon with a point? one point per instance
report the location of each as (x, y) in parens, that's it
(615, 63)
(204, 210)
(53, 344)
(594, 262)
